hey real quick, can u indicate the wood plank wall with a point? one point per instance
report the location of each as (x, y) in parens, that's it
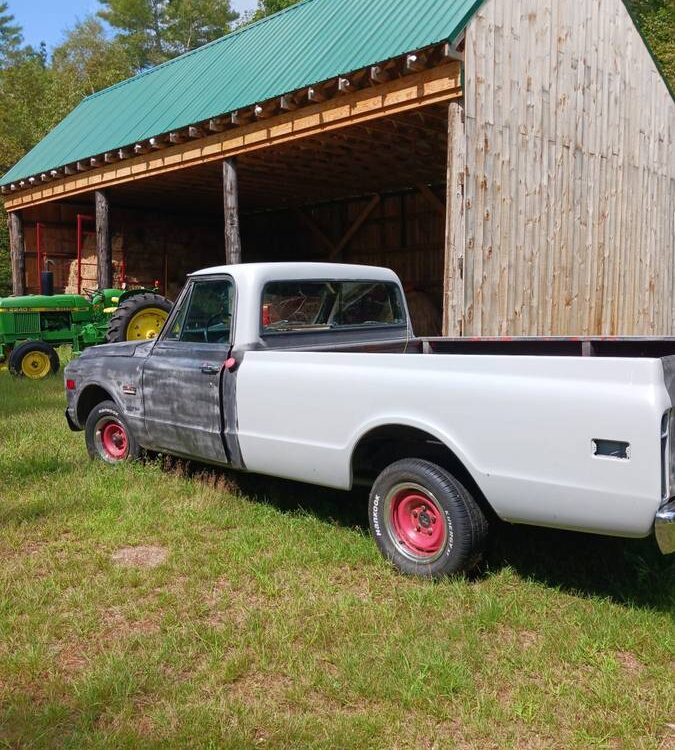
(570, 173)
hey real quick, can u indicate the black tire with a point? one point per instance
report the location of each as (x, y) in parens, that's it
(21, 353)
(107, 435)
(118, 327)
(448, 533)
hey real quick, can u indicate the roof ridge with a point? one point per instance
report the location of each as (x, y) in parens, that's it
(235, 32)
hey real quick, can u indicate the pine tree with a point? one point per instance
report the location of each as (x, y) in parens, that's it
(11, 38)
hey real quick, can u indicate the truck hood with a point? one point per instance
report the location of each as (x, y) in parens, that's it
(122, 349)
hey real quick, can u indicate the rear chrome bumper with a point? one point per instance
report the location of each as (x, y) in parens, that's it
(664, 528)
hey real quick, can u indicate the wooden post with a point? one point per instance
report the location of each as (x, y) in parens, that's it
(18, 253)
(455, 225)
(103, 241)
(231, 206)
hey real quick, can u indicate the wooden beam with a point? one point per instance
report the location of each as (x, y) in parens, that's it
(414, 63)
(287, 103)
(455, 225)
(431, 86)
(354, 228)
(432, 198)
(344, 85)
(231, 208)
(316, 230)
(315, 95)
(17, 251)
(104, 273)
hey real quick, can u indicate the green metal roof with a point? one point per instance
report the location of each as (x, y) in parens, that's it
(310, 42)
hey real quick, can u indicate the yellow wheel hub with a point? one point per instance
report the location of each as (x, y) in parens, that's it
(36, 365)
(146, 324)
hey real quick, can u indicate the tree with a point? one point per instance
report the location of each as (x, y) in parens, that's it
(11, 38)
(156, 30)
(88, 61)
(267, 7)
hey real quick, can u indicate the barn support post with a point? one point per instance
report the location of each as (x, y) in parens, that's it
(17, 251)
(103, 241)
(455, 224)
(231, 207)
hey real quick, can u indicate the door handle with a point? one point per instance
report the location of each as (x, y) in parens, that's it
(208, 369)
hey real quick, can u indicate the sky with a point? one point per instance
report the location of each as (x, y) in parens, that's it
(45, 20)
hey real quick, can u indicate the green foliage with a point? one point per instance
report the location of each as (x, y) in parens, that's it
(153, 31)
(267, 7)
(89, 61)
(10, 35)
(656, 21)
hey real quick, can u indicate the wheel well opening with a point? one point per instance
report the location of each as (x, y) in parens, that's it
(90, 397)
(384, 445)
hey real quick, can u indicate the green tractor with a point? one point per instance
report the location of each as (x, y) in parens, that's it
(32, 326)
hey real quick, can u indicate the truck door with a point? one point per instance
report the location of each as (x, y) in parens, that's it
(182, 376)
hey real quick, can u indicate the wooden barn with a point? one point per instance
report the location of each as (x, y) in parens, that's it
(512, 160)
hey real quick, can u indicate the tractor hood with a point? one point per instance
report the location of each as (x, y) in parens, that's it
(122, 349)
(37, 302)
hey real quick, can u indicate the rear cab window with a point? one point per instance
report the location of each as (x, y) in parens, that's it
(304, 306)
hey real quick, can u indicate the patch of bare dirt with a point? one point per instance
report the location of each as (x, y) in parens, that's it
(630, 664)
(140, 557)
(114, 625)
(72, 658)
(229, 603)
(271, 688)
(528, 639)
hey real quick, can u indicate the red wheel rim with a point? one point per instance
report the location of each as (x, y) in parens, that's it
(114, 440)
(418, 522)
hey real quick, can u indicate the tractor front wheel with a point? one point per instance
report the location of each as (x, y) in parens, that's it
(138, 318)
(34, 360)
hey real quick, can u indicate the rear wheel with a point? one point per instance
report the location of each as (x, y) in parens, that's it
(138, 318)
(424, 521)
(108, 436)
(34, 360)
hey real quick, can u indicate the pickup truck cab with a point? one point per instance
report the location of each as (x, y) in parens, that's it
(312, 372)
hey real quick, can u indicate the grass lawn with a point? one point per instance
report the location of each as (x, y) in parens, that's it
(149, 606)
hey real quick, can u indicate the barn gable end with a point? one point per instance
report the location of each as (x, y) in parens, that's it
(569, 178)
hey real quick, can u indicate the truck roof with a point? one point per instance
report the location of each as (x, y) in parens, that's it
(261, 273)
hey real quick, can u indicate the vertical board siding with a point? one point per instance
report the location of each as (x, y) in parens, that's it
(570, 174)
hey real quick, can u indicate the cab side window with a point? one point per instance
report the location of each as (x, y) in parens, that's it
(205, 315)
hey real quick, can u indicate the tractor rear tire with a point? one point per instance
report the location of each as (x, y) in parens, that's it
(138, 318)
(34, 360)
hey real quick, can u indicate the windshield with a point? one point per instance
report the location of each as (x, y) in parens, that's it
(289, 306)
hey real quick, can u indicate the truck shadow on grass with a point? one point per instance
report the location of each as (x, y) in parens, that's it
(628, 571)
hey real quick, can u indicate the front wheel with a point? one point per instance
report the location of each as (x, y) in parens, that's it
(34, 360)
(424, 521)
(108, 436)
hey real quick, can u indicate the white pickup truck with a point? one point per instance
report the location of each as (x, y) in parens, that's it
(311, 372)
